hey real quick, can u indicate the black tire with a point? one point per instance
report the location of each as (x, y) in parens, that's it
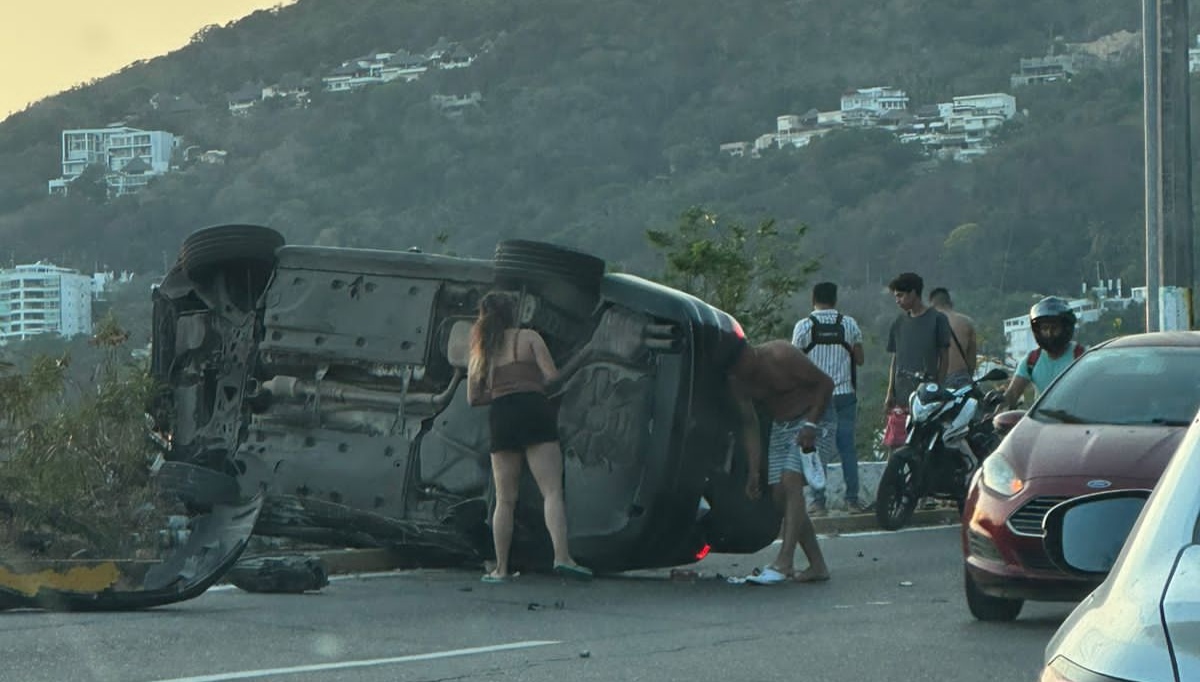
(521, 260)
(988, 608)
(897, 496)
(565, 278)
(224, 245)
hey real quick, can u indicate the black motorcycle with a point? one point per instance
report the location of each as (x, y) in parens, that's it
(949, 432)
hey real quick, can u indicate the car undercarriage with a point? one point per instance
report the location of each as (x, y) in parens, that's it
(318, 394)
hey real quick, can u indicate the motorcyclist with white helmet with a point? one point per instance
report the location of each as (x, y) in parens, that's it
(1053, 325)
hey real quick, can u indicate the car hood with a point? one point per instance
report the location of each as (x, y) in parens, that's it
(1119, 635)
(1037, 449)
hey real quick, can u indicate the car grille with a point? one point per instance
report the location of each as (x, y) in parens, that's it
(1028, 519)
(1037, 560)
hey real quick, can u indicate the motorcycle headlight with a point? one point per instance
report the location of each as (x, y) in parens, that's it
(922, 411)
(999, 477)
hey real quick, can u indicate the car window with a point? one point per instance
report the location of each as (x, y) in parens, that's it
(1137, 386)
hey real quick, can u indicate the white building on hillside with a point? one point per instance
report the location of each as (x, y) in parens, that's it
(879, 99)
(130, 157)
(790, 129)
(998, 103)
(44, 299)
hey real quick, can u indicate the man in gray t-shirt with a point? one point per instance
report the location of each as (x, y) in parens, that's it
(919, 340)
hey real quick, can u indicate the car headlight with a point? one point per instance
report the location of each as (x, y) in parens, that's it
(999, 477)
(1063, 670)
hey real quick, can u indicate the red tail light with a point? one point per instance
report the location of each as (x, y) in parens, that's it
(737, 329)
(703, 551)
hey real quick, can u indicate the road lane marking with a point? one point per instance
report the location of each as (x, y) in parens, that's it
(367, 663)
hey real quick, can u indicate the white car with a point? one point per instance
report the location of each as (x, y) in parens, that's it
(1142, 624)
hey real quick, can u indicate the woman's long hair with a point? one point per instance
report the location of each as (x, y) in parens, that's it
(497, 312)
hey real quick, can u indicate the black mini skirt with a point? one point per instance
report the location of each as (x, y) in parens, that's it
(519, 420)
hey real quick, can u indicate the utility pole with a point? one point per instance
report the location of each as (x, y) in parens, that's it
(1168, 165)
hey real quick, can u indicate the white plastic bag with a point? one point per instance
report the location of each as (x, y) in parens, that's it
(814, 469)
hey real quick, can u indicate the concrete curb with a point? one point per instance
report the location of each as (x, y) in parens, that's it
(858, 523)
(351, 561)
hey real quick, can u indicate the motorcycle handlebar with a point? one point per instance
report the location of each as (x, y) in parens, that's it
(922, 377)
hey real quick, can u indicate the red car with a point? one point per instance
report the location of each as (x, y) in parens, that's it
(1109, 422)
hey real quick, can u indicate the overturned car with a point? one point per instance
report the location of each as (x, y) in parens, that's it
(332, 380)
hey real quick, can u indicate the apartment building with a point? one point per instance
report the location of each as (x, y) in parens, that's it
(44, 299)
(876, 100)
(130, 157)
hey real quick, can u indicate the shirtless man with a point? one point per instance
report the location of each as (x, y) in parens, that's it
(795, 393)
(961, 368)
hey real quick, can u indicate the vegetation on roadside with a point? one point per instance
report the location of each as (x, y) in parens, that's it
(750, 272)
(75, 472)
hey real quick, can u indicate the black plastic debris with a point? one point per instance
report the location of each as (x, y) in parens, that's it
(280, 574)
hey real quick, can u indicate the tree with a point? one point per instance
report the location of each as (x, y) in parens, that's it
(91, 183)
(749, 272)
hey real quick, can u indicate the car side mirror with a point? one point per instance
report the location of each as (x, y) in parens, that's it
(1084, 535)
(1005, 421)
(994, 374)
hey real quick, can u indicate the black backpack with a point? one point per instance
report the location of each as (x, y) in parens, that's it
(832, 334)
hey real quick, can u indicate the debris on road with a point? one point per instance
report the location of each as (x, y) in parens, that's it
(280, 574)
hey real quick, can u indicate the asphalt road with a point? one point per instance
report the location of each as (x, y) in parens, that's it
(866, 623)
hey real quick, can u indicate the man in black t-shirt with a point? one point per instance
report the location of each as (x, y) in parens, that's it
(919, 340)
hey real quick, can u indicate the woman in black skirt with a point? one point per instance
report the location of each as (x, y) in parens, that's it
(509, 369)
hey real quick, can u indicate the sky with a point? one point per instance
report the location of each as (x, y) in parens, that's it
(47, 46)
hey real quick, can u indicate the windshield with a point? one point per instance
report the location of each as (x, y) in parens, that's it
(1137, 386)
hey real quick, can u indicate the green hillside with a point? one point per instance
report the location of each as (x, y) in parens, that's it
(599, 120)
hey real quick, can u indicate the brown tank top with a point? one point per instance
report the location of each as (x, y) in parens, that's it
(518, 376)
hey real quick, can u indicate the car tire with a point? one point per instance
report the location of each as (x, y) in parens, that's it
(242, 255)
(567, 279)
(521, 259)
(896, 498)
(223, 245)
(986, 607)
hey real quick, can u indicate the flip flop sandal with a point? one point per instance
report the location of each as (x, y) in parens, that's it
(767, 576)
(577, 572)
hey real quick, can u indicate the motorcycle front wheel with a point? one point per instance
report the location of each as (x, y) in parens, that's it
(897, 496)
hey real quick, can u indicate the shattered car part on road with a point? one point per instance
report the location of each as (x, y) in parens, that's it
(214, 541)
(333, 379)
(280, 574)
